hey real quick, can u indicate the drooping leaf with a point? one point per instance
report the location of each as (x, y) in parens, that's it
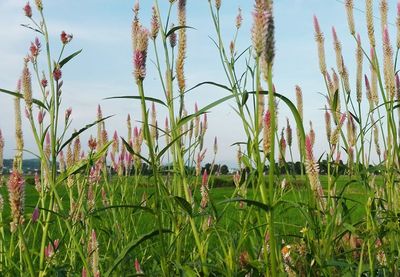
(132, 245)
(21, 96)
(203, 110)
(249, 202)
(176, 28)
(135, 207)
(165, 149)
(185, 205)
(131, 151)
(155, 100)
(77, 133)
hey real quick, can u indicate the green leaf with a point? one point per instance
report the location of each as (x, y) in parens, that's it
(296, 115)
(185, 205)
(249, 202)
(70, 57)
(131, 151)
(132, 245)
(21, 96)
(82, 164)
(155, 100)
(136, 207)
(203, 110)
(176, 28)
(165, 149)
(209, 83)
(245, 98)
(77, 133)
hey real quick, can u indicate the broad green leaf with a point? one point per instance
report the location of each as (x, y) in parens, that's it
(70, 57)
(185, 205)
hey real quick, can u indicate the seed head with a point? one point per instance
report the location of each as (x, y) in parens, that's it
(239, 19)
(39, 5)
(155, 23)
(328, 123)
(217, 4)
(269, 53)
(338, 51)
(180, 60)
(27, 87)
(350, 18)
(259, 30)
(370, 22)
(383, 8)
(266, 132)
(359, 59)
(335, 135)
(351, 131)
(398, 25)
(312, 134)
(319, 38)
(289, 138)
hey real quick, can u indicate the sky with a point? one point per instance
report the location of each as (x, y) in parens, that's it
(102, 28)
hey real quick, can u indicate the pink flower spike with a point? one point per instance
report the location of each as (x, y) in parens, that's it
(342, 119)
(137, 267)
(316, 25)
(386, 38)
(68, 113)
(40, 117)
(398, 8)
(358, 39)
(372, 53)
(28, 10)
(309, 150)
(27, 114)
(397, 81)
(35, 215)
(57, 73)
(334, 34)
(65, 38)
(367, 85)
(204, 179)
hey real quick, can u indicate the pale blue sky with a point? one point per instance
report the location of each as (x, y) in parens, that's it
(102, 29)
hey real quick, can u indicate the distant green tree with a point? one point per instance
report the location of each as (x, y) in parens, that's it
(224, 169)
